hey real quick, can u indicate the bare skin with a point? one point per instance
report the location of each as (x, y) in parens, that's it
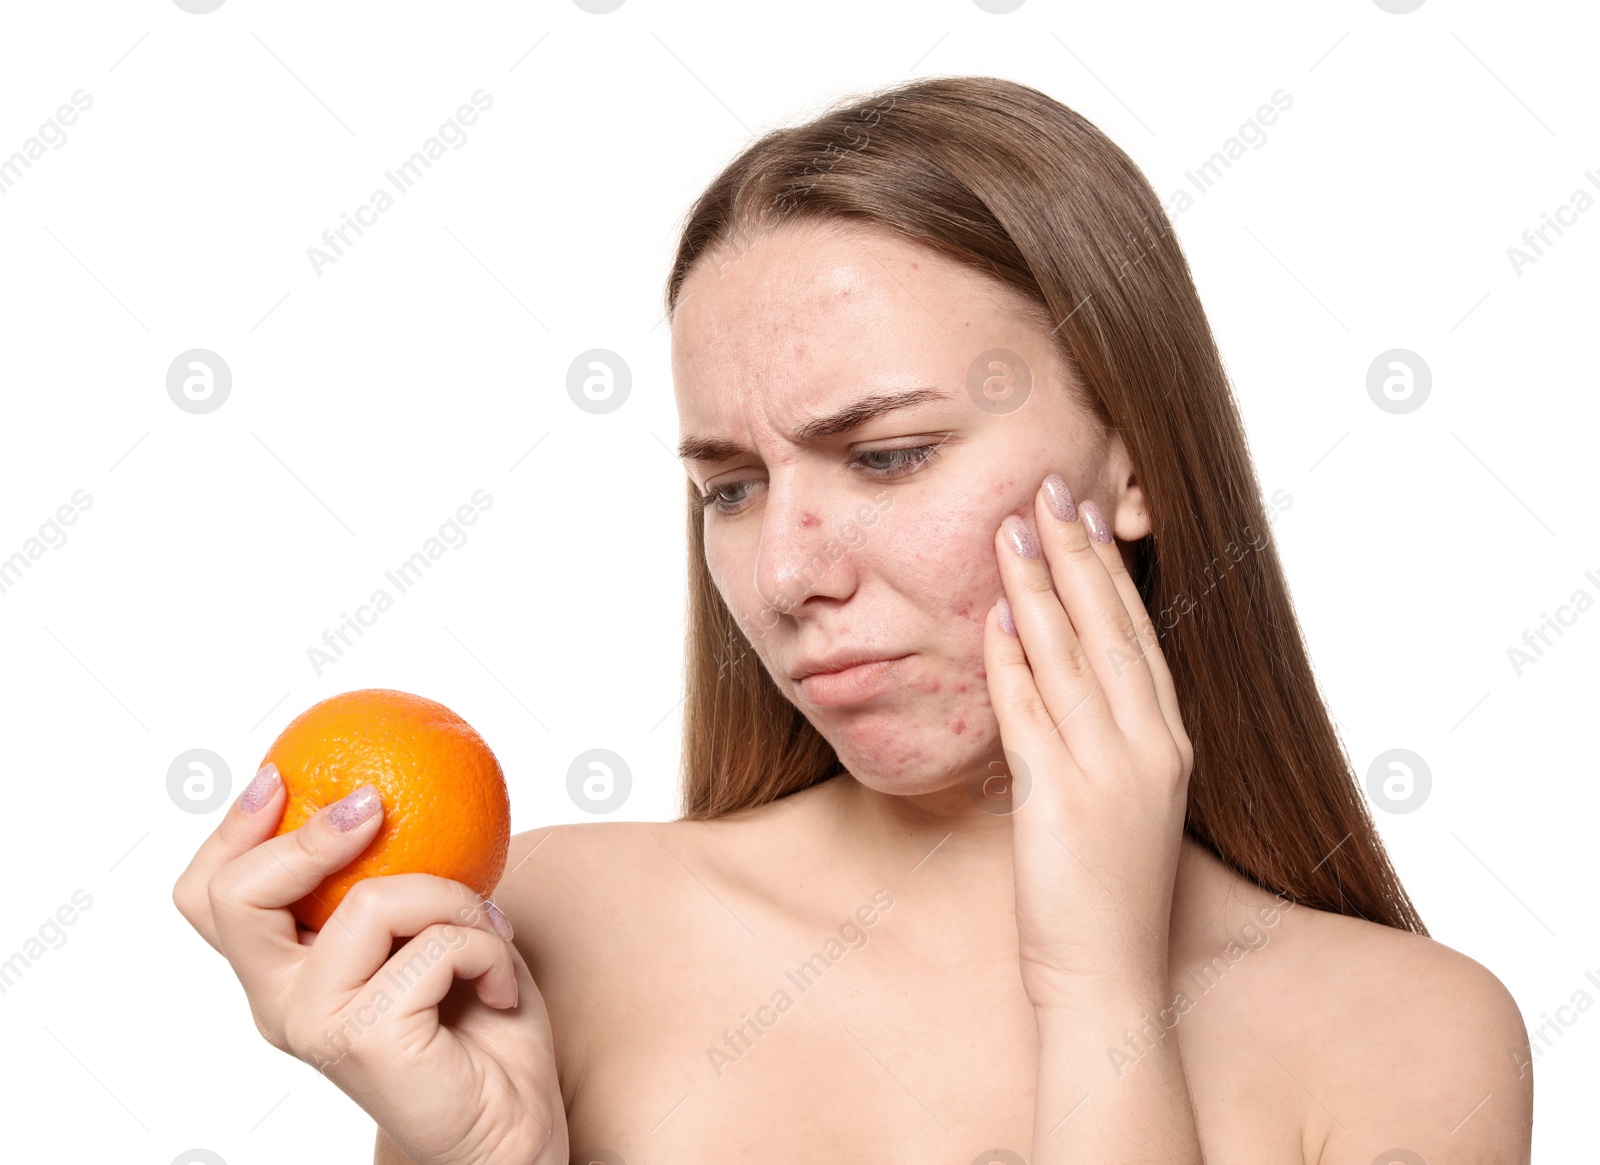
(918, 1044)
(849, 974)
(1306, 1035)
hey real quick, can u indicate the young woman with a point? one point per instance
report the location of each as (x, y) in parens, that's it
(1014, 826)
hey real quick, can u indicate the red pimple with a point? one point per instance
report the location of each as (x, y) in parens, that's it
(958, 726)
(809, 520)
(961, 689)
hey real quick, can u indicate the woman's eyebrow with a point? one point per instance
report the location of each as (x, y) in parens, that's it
(852, 416)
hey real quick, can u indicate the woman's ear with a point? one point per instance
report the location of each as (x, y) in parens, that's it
(1130, 516)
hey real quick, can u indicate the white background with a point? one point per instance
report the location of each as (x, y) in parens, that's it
(370, 401)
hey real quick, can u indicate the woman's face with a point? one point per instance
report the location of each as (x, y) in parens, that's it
(874, 535)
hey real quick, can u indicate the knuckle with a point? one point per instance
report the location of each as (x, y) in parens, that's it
(1074, 662)
(453, 935)
(1075, 544)
(314, 842)
(1169, 764)
(221, 889)
(1038, 582)
(1025, 706)
(362, 902)
(1119, 626)
(417, 950)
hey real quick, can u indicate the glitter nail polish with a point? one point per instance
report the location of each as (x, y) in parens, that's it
(1059, 498)
(1021, 537)
(1096, 521)
(260, 789)
(498, 920)
(1007, 623)
(359, 806)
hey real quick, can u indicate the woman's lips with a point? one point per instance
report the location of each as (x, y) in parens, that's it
(852, 685)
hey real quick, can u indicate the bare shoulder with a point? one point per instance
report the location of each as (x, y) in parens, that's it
(1414, 1045)
(586, 881)
(591, 903)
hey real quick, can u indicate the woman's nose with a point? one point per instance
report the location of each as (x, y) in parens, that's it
(801, 554)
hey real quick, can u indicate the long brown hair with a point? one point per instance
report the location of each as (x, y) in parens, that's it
(1006, 180)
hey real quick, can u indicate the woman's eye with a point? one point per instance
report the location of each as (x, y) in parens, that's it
(717, 499)
(879, 463)
(897, 461)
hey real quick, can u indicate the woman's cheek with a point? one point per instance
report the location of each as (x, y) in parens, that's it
(948, 559)
(752, 616)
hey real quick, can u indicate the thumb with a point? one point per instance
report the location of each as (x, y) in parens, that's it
(250, 820)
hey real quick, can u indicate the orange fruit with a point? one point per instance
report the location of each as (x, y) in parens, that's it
(445, 806)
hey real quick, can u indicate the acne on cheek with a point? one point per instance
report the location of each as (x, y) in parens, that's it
(957, 724)
(975, 707)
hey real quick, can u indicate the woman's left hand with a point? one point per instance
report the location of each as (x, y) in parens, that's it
(1099, 761)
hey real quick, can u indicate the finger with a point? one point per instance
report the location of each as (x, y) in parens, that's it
(421, 972)
(250, 894)
(1033, 745)
(374, 913)
(1062, 671)
(1080, 564)
(250, 820)
(418, 976)
(1150, 643)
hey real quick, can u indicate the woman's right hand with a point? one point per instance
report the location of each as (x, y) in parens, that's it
(453, 1073)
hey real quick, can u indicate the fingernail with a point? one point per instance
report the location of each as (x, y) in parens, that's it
(359, 806)
(1059, 498)
(1021, 537)
(260, 789)
(1007, 623)
(1096, 521)
(500, 922)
